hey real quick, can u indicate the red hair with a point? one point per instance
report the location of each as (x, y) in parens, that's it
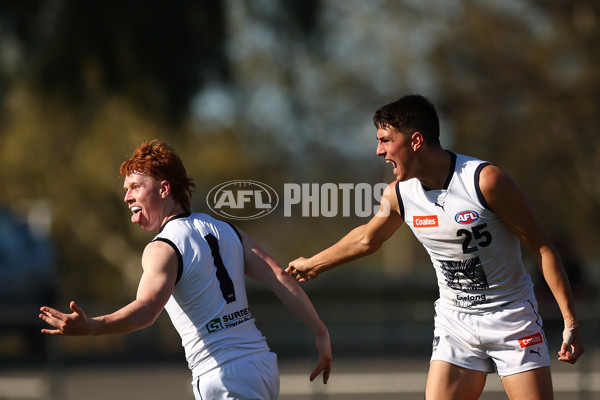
(160, 161)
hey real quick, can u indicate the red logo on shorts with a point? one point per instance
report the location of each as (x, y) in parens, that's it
(531, 340)
(425, 221)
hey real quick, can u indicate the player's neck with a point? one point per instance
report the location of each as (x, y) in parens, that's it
(171, 213)
(434, 168)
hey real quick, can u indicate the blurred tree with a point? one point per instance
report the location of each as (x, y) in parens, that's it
(81, 85)
(154, 54)
(280, 92)
(518, 84)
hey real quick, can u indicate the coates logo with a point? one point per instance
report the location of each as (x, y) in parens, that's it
(531, 340)
(242, 199)
(466, 217)
(426, 221)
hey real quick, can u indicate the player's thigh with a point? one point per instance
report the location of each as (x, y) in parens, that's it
(446, 381)
(535, 384)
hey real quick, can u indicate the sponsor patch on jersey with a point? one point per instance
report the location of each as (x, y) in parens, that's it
(466, 217)
(425, 221)
(229, 320)
(214, 325)
(531, 340)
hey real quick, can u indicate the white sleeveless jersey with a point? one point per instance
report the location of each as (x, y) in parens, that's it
(208, 307)
(476, 257)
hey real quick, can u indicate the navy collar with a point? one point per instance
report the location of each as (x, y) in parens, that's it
(178, 216)
(450, 172)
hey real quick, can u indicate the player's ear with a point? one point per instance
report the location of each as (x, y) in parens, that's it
(165, 189)
(416, 141)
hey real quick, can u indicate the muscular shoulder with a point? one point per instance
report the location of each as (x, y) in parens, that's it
(493, 182)
(159, 253)
(502, 193)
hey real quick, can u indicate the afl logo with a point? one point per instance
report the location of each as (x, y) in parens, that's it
(466, 217)
(242, 199)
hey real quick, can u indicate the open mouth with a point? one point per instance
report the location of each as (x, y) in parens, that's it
(391, 162)
(136, 209)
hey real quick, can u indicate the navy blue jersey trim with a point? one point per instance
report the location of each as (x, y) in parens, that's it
(235, 230)
(178, 216)
(199, 392)
(179, 257)
(451, 171)
(480, 196)
(400, 202)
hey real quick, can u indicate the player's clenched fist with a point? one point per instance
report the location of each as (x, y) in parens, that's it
(302, 269)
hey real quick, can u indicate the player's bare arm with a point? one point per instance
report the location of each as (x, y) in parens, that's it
(260, 266)
(507, 200)
(156, 285)
(361, 241)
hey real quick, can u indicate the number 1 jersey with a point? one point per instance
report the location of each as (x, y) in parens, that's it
(208, 306)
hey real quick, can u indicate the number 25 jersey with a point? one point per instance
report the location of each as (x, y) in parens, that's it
(477, 258)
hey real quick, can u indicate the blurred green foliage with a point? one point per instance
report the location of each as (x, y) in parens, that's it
(284, 92)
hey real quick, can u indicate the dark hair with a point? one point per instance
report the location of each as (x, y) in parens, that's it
(409, 114)
(160, 161)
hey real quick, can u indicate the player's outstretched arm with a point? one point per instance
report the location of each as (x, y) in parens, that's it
(156, 285)
(509, 203)
(359, 242)
(261, 267)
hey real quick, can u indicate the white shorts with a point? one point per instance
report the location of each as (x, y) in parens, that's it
(509, 341)
(252, 377)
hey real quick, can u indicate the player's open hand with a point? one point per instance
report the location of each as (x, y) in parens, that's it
(301, 269)
(74, 324)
